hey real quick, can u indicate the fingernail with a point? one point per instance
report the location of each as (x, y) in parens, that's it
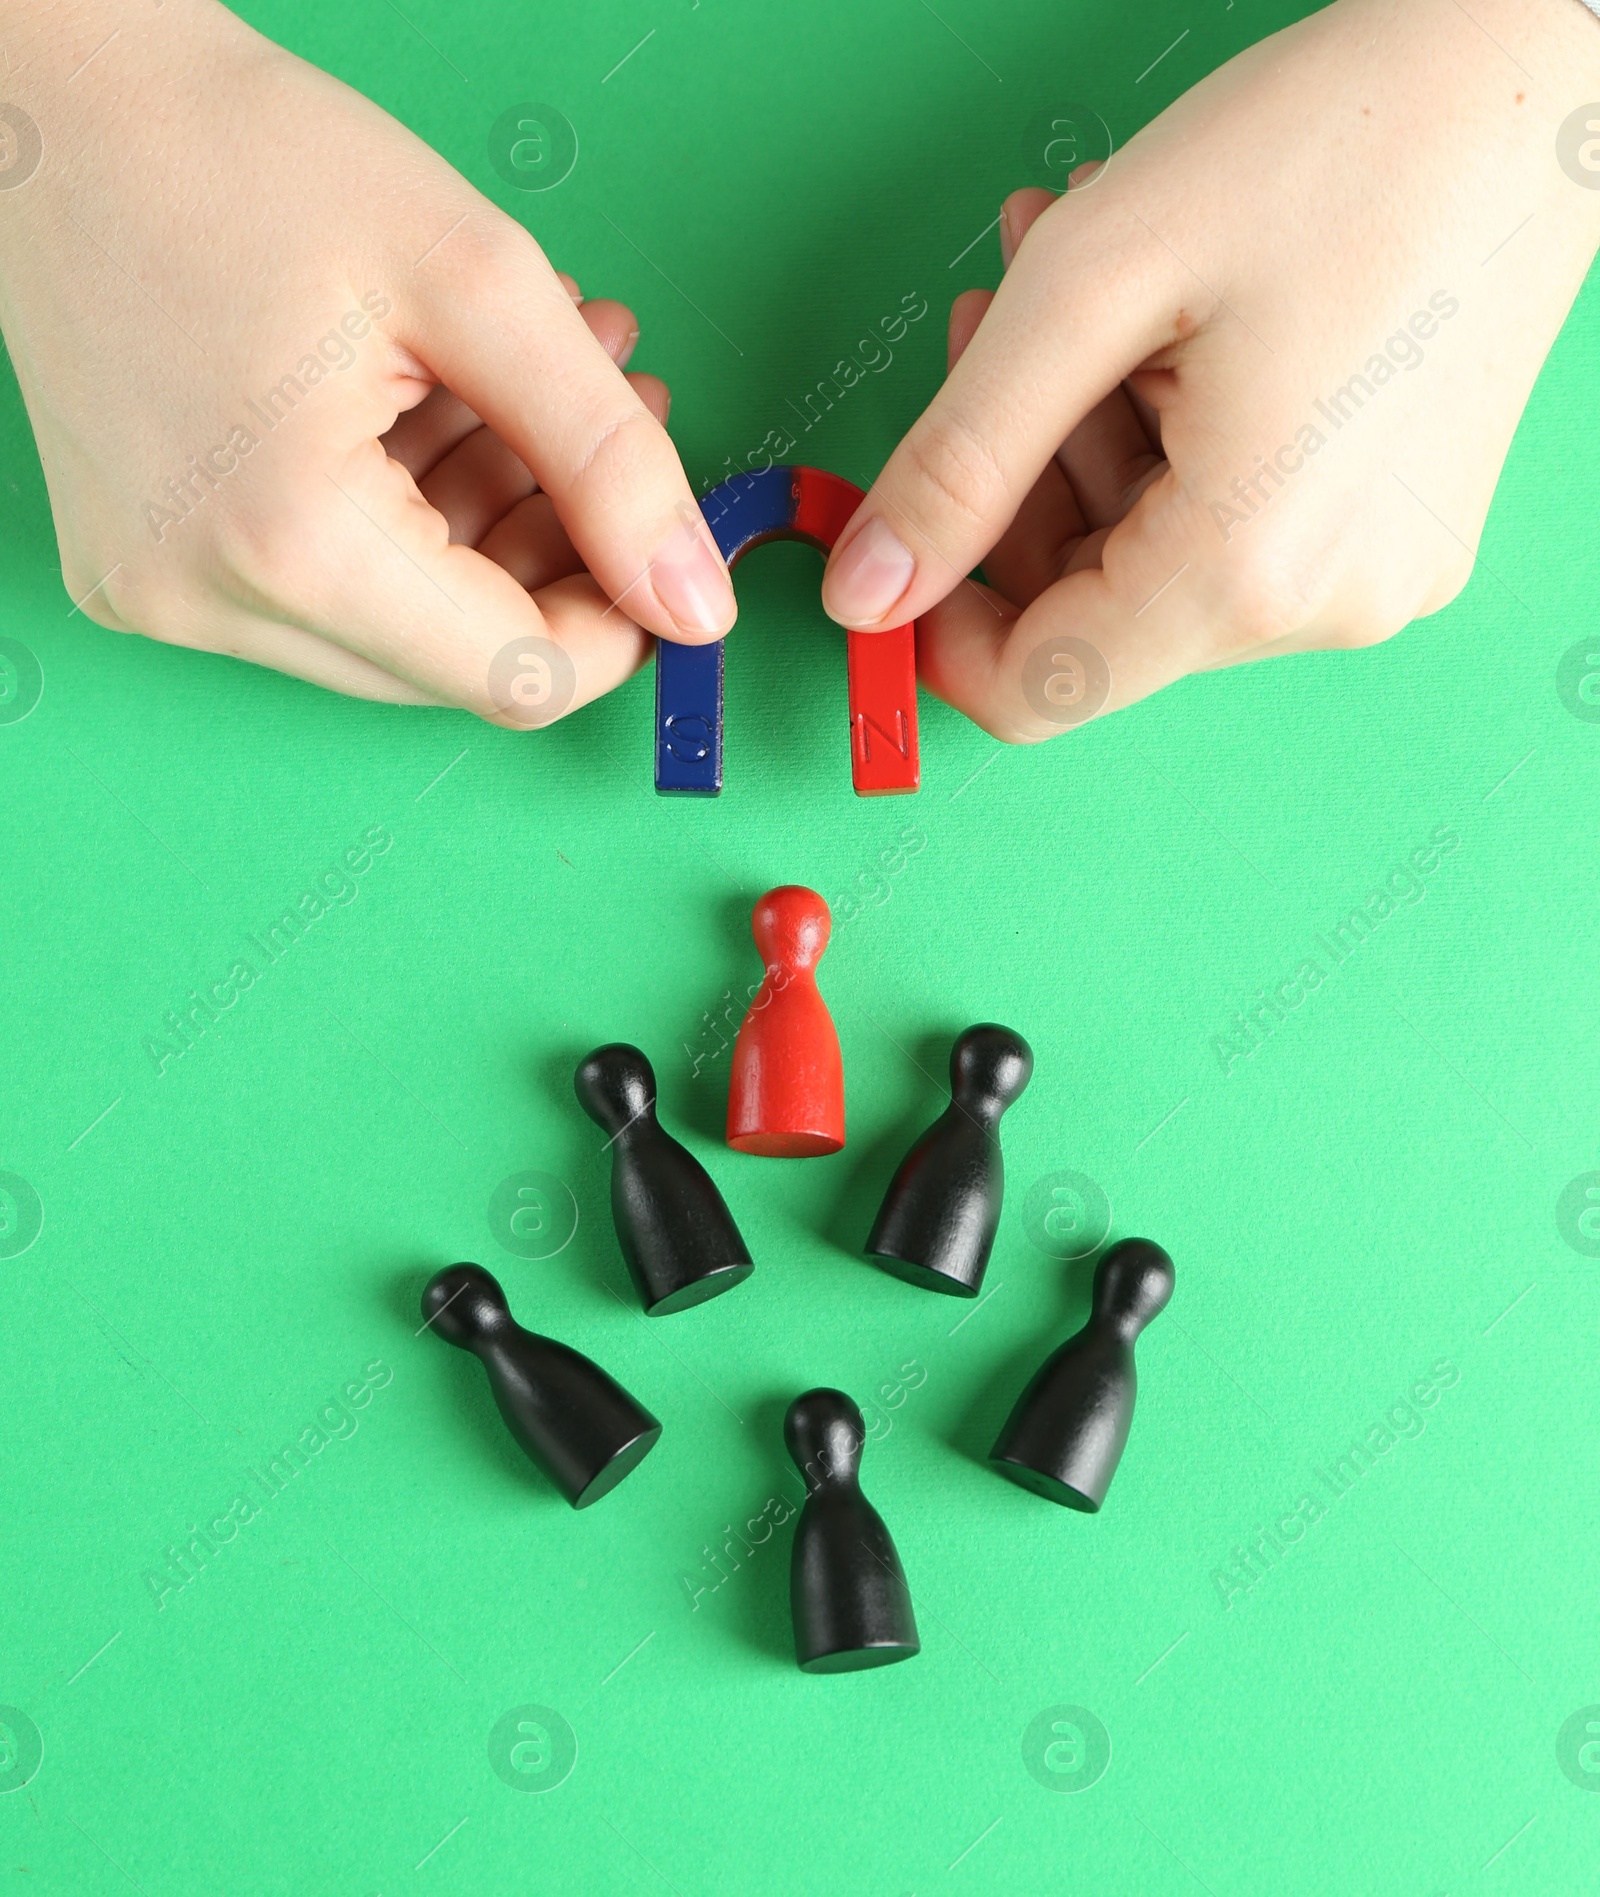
(867, 578)
(692, 583)
(1008, 237)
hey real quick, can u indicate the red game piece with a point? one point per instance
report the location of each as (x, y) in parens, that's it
(786, 1088)
(882, 666)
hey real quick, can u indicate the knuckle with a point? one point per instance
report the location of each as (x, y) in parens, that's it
(623, 448)
(1006, 730)
(1449, 583)
(1389, 602)
(273, 553)
(458, 678)
(473, 695)
(136, 596)
(129, 596)
(950, 459)
(92, 594)
(511, 245)
(1370, 630)
(1265, 589)
(490, 245)
(482, 706)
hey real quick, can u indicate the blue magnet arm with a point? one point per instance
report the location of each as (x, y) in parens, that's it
(689, 718)
(743, 510)
(751, 507)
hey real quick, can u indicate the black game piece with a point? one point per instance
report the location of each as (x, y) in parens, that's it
(938, 1219)
(1065, 1435)
(847, 1590)
(677, 1236)
(578, 1424)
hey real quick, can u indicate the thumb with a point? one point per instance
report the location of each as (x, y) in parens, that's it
(1086, 299)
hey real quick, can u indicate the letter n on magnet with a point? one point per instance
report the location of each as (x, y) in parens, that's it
(883, 711)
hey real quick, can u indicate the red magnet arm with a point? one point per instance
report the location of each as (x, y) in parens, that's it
(882, 666)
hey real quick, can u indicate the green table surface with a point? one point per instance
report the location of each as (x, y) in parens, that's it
(1379, 1244)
